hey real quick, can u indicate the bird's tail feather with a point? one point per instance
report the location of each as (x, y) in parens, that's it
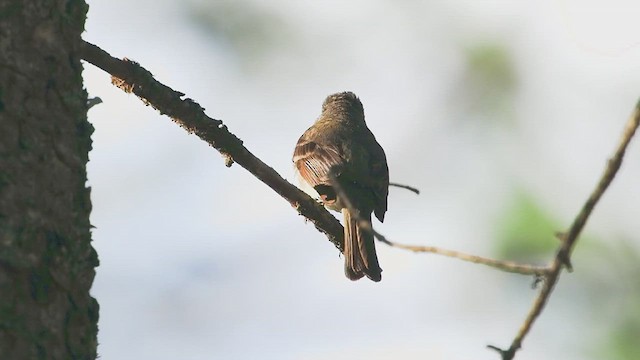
(359, 249)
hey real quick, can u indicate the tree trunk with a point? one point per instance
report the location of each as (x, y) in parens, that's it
(46, 259)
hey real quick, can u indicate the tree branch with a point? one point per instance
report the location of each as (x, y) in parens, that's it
(569, 238)
(507, 266)
(133, 78)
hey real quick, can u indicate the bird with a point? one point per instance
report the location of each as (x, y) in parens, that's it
(340, 147)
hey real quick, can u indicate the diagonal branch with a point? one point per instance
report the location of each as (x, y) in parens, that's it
(133, 78)
(570, 237)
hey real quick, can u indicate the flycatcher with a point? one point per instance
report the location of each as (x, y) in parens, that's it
(340, 143)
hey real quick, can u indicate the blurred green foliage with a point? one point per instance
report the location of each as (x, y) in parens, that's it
(491, 65)
(489, 82)
(611, 276)
(251, 31)
(525, 230)
(624, 339)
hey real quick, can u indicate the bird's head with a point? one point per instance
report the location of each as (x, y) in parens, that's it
(343, 106)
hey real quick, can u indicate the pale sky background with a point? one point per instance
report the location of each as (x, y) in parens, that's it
(203, 262)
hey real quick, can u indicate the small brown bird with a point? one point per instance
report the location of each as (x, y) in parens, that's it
(340, 142)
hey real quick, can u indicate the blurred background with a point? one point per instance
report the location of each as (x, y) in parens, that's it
(503, 114)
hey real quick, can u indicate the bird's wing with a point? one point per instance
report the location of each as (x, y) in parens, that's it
(314, 162)
(379, 180)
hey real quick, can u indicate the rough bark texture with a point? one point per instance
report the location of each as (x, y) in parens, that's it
(46, 259)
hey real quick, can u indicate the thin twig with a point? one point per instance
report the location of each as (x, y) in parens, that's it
(407, 187)
(508, 266)
(570, 237)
